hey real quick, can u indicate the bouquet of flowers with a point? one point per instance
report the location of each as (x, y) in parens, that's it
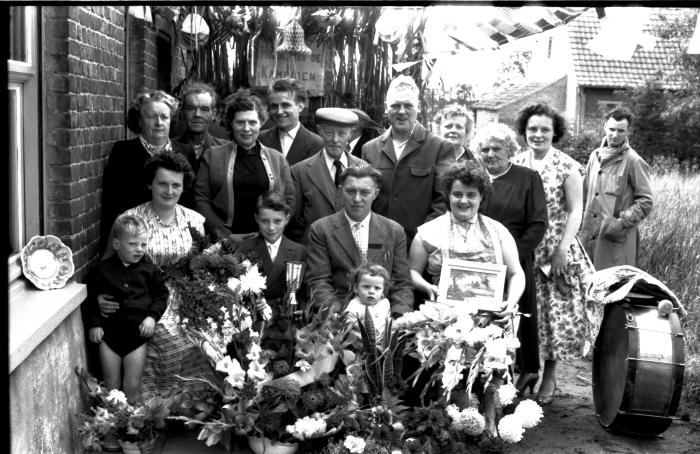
(471, 362)
(284, 394)
(110, 415)
(219, 293)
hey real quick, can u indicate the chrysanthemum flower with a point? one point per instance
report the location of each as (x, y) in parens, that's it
(468, 420)
(506, 393)
(510, 428)
(529, 412)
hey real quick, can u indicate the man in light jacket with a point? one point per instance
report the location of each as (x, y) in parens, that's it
(617, 194)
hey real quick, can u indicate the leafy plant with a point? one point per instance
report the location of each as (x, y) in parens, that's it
(111, 414)
(383, 365)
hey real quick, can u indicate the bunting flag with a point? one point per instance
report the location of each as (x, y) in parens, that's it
(398, 67)
(141, 12)
(495, 26)
(694, 43)
(621, 31)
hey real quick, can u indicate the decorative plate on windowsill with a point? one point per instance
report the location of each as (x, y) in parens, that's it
(47, 262)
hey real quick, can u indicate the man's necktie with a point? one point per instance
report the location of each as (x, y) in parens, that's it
(358, 241)
(271, 249)
(338, 170)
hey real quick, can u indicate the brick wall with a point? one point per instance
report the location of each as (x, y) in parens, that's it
(84, 77)
(83, 68)
(143, 60)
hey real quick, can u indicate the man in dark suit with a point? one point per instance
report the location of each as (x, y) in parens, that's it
(273, 248)
(198, 110)
(342, 241)
(362, 132)
(409, 158)
(286, 101)
(316, 178)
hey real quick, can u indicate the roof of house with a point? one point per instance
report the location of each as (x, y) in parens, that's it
(509, 95)
(593, 70)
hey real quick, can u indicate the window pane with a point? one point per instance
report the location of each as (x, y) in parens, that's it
(16, 197)
(18, 38)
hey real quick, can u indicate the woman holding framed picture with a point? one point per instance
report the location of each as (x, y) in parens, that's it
(463, 233)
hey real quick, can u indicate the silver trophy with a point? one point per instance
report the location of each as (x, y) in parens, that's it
(295, 271)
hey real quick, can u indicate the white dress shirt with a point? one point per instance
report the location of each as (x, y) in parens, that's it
(400, 145)
(286, 138)
(329, 162)
(364, 229)
(353, 142)
(380, 312)
(273, 248)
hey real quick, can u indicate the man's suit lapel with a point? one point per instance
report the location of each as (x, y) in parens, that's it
(415, 141)
(386, 145)
(264, 254)
(377, 240)
(284, 254)
(343, 235)
(298, 147)
(319, 177)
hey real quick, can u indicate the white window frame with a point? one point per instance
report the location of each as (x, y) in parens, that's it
(23, 79)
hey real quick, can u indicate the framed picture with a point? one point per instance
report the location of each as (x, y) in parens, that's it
(475, 283)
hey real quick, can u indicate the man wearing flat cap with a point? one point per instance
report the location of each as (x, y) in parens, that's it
(316, 178)
(360, 133)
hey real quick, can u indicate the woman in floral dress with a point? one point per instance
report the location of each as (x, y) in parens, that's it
(561, 265)
(170, 352)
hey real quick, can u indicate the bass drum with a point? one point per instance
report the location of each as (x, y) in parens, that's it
(638, 364)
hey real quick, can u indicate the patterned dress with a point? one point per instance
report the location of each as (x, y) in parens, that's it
(562, 321)
(170, 352)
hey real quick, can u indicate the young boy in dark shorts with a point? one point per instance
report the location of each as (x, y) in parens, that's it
(139, 286)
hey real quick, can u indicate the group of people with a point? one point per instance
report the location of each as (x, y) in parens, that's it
(374, 227)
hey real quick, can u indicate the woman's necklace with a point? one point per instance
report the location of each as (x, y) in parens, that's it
(455, 225)
(154, 149)
(500, 174)
(169, 223)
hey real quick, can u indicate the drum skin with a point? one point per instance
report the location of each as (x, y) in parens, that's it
(638, 364)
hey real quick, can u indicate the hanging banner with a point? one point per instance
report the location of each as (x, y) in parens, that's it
(307, 69)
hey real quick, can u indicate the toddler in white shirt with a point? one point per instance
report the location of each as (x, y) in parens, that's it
(370, 283)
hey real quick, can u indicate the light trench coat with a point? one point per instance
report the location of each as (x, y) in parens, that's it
(618, 196)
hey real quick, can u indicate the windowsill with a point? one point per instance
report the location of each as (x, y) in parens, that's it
(35, 314)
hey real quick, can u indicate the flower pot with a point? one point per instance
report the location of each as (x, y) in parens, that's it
(141, 447)
(266, 446)
(130, 447)
(147, 446)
